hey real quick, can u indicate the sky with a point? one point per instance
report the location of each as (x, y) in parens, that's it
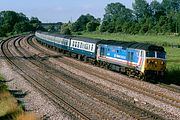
(49, 11)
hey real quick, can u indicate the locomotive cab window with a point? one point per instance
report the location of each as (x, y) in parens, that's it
(150, 54)
(161, 55)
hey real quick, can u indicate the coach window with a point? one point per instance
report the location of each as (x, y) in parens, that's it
(86, 46)
(81, 45)
(73, 44)
(91, 47)
(78, 44)
(61, 41)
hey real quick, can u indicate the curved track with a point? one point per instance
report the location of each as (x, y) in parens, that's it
(153, 91)
(36, 80)
(76, 94)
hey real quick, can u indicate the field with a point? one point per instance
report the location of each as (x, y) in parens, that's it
(165, 40)
(168, 41)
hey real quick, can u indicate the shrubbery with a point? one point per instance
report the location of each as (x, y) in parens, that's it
(14, 23)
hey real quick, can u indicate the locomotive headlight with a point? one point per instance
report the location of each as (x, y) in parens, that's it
(162, 63)
(156, 62)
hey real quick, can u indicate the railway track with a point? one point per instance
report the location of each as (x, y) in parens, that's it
(43, 50)
(109, 99)
(154, 94)
(172, 100)
(70, 79)
(72, 88)
(95, 110)
(35, 82)
(172, 88)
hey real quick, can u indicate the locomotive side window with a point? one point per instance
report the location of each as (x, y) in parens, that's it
(150, 54)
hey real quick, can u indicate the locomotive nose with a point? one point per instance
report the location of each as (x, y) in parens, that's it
(155, 65)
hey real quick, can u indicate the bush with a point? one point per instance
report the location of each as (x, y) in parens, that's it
(65, 29)
(92, 26)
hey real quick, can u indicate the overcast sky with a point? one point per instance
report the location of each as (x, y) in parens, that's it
(60, 10)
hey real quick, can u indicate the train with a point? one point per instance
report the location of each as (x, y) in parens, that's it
(139, 60)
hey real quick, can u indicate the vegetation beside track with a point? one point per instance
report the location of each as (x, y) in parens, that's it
(168, 41)
(163, 40)
(10, 109)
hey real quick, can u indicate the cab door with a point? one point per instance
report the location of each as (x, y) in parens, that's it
(102, 51)
(130, 58)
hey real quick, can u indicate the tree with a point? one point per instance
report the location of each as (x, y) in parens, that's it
(35, 24)
(141, 9)
(59, 26)
(65, 29)
(157, 10)
(21, 27)
(104, 26)
(171, 5)
(116, 14)
(9, 19)
(51, 28)
(13, 23)
(82, 21)
(92, 26)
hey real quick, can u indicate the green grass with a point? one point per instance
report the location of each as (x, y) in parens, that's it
(173, 64)
(3, 87)
(173, 54)
(9, 107)
(165, 40)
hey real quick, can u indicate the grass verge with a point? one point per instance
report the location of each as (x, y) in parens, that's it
(163, 40)
(10, 109)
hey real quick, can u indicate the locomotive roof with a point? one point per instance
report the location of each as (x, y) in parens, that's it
(135, 45)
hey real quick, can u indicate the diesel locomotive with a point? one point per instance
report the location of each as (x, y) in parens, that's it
(133, 58)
